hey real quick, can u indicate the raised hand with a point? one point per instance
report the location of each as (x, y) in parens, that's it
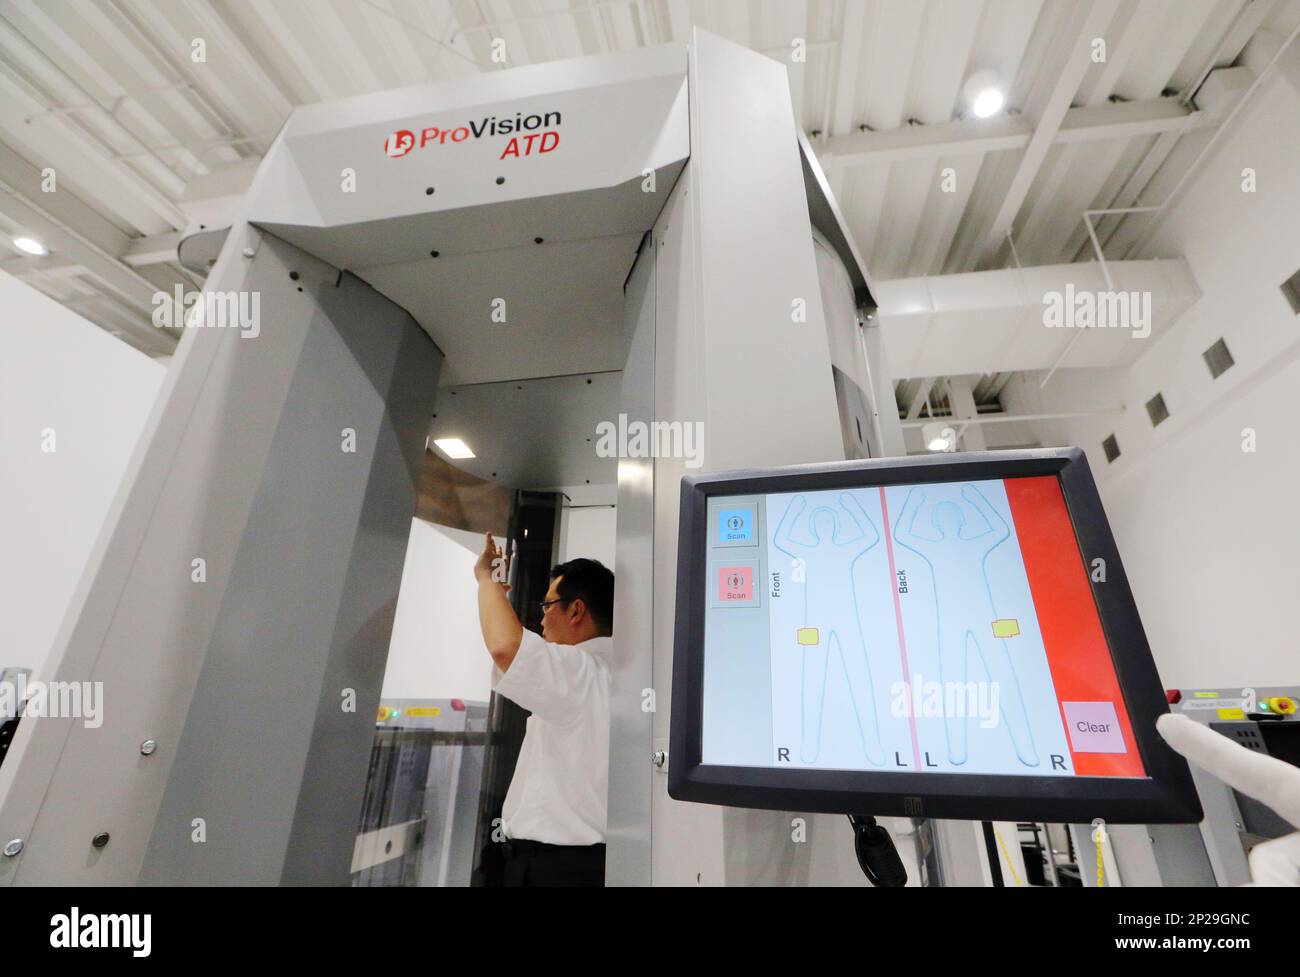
(491, 563)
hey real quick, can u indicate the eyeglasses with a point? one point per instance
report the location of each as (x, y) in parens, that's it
(542, 605)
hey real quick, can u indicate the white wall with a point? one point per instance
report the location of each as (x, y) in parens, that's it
(1204, 527)
(62, 373)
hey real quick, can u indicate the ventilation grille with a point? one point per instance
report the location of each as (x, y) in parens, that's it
(1111, 447)
(1156, 410)
(1218, 359)
(1291, 289)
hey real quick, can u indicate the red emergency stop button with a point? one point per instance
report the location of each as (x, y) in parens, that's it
(1283, 705)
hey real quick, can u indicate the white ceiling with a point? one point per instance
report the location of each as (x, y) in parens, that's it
(1080, 134)
(111, 96)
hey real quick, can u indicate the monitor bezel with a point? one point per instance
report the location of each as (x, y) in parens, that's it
(1166, 795)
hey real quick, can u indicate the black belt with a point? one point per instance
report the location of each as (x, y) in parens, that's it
(518, 847)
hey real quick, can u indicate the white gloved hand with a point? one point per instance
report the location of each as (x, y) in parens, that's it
(1270, 781)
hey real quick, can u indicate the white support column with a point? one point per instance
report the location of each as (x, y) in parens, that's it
(963, 409)
(741, 344)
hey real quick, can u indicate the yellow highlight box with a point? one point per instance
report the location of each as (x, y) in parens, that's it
(806, 636)
(1007, 627)
(1232, 712)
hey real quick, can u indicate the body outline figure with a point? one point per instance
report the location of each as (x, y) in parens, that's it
(955, 640)
(825, 613)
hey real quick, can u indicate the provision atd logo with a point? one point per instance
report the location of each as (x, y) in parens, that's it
(524, 140)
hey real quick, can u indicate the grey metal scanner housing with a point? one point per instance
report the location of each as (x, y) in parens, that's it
(238, 602)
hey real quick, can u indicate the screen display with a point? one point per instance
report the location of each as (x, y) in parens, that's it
(943, 627)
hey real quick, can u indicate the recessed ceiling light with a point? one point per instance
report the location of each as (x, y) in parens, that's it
(30, 245)
(454, 447)
(988, 102)
(983, 93)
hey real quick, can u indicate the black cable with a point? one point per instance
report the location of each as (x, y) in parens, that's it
(991, 850)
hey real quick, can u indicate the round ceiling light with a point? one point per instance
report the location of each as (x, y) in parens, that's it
(29, 245)
(983, 93)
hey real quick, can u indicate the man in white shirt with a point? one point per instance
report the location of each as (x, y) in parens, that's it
(554, 814)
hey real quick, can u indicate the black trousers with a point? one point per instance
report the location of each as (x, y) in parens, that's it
(534, 863)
